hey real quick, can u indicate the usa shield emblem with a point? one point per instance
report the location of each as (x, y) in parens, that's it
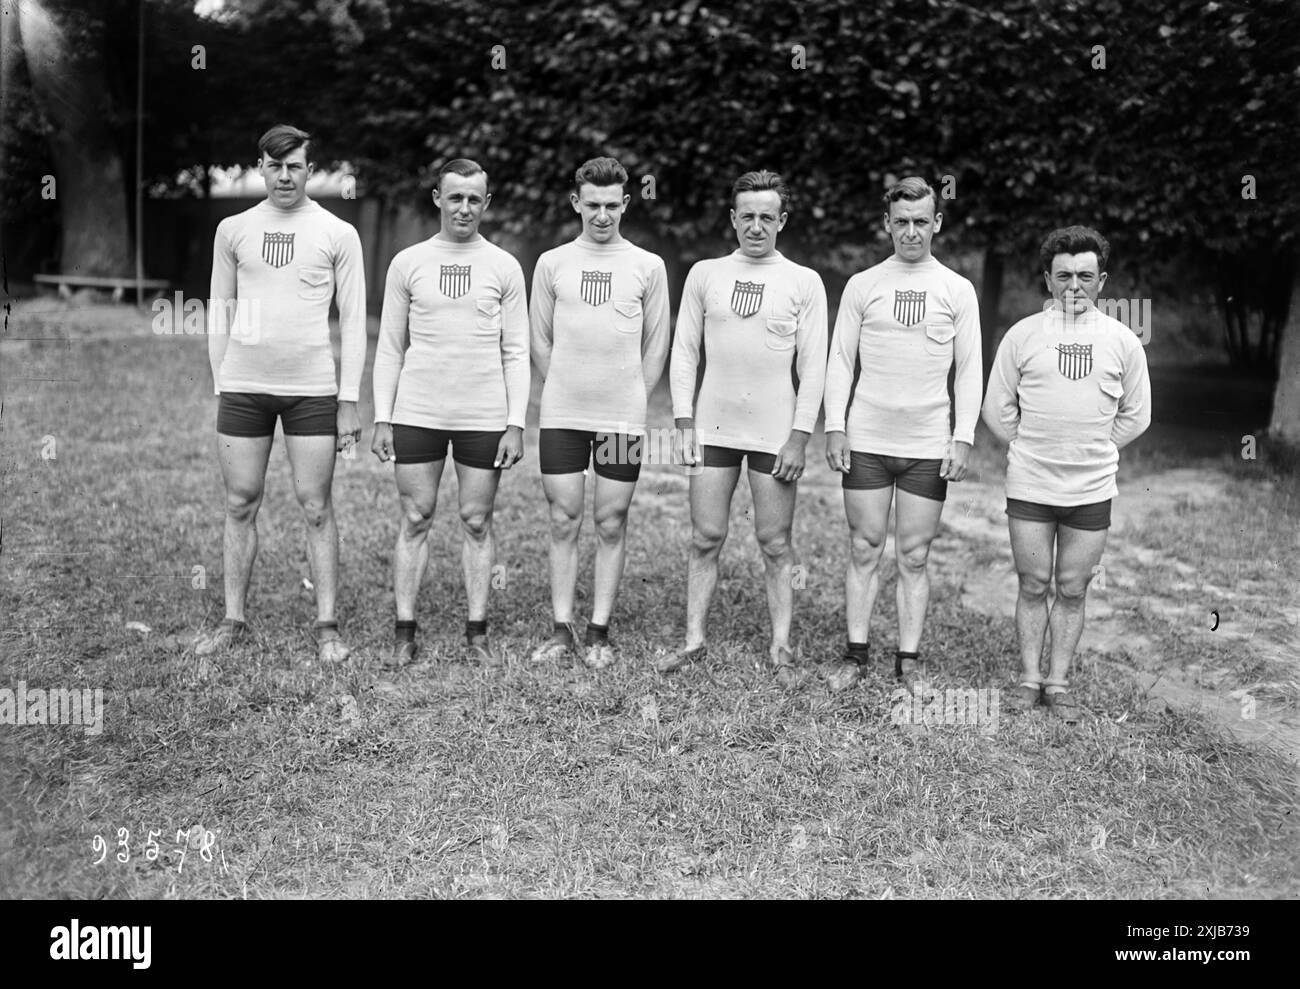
(909, 306)
(746, 297)
(1074, 360)
(595, 287)
(453, 280)
(277, 249)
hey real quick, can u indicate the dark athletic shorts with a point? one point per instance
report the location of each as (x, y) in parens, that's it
(250, 414)
(868, 471)
(472, 448)
(727, 456)
(569, 451)
(1092, 518)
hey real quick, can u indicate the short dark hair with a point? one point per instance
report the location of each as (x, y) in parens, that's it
(913, 188)
(599, 172)
(762, 181)
(1073, 240)
(465, 167)
(282, 140)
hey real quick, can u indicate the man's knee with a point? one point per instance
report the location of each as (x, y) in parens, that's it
(866, 549)
(775, 545)
(241, 506)
(416, 518)
(707, 537)
(912, 558)
(564, 522)
(611, 525)
(1072, 588)
(1033, 586)
(315, 509)
(476, 520)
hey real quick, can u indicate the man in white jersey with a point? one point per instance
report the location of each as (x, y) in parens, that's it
(753, 316)
(451, 368)
(281, 263)
(892, 431)
(599, 318)
(1069, 389)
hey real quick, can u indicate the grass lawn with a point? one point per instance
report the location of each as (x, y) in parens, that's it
(455, 780)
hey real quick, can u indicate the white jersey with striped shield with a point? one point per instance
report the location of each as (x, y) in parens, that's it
(1068, 392)
(754, 323)
(907, 325)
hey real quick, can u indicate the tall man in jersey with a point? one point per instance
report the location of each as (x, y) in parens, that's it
(1069, 390)
(599, 318)
(451, 368)
(281, 263)
(753, 316)
(894, 435)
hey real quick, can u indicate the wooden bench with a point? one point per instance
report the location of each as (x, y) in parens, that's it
(118, 285)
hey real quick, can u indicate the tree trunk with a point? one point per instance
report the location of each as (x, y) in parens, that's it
(990, 303)
(9, 55)
(70, 86)
(1285, 424)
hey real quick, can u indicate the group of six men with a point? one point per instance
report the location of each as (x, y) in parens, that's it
(452, 370)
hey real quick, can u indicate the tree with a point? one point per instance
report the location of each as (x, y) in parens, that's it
(205, 80)
(1284, 427)
(66, 65)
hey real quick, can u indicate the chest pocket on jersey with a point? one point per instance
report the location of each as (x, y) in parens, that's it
(314, 283)
(488, 313)
(627, 317)
(1108, 395)
(938, 337)
(780, 333)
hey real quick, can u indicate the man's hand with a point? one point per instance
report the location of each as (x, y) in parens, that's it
(837, 451)
(789, 460)
(347, 426)
(953, 467)
(686, 444)
(382, 444)
(511, 448)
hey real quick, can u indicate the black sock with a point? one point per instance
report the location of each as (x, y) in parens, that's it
(597, 634)
(899, 656)
(564, 633)
(406, 631)
(859, 652)
(473, 628)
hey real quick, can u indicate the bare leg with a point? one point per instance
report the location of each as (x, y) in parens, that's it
(916, 526)
(1032, 547)
(564, 494)
(773, 520)
(1077, 552)
(868, 516)
(311, 460)
(613, 499)
(243, 468)
(478, 491)
(711, 492)
(417, 490)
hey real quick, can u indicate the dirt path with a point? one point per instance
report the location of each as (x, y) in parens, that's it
(972, 551)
